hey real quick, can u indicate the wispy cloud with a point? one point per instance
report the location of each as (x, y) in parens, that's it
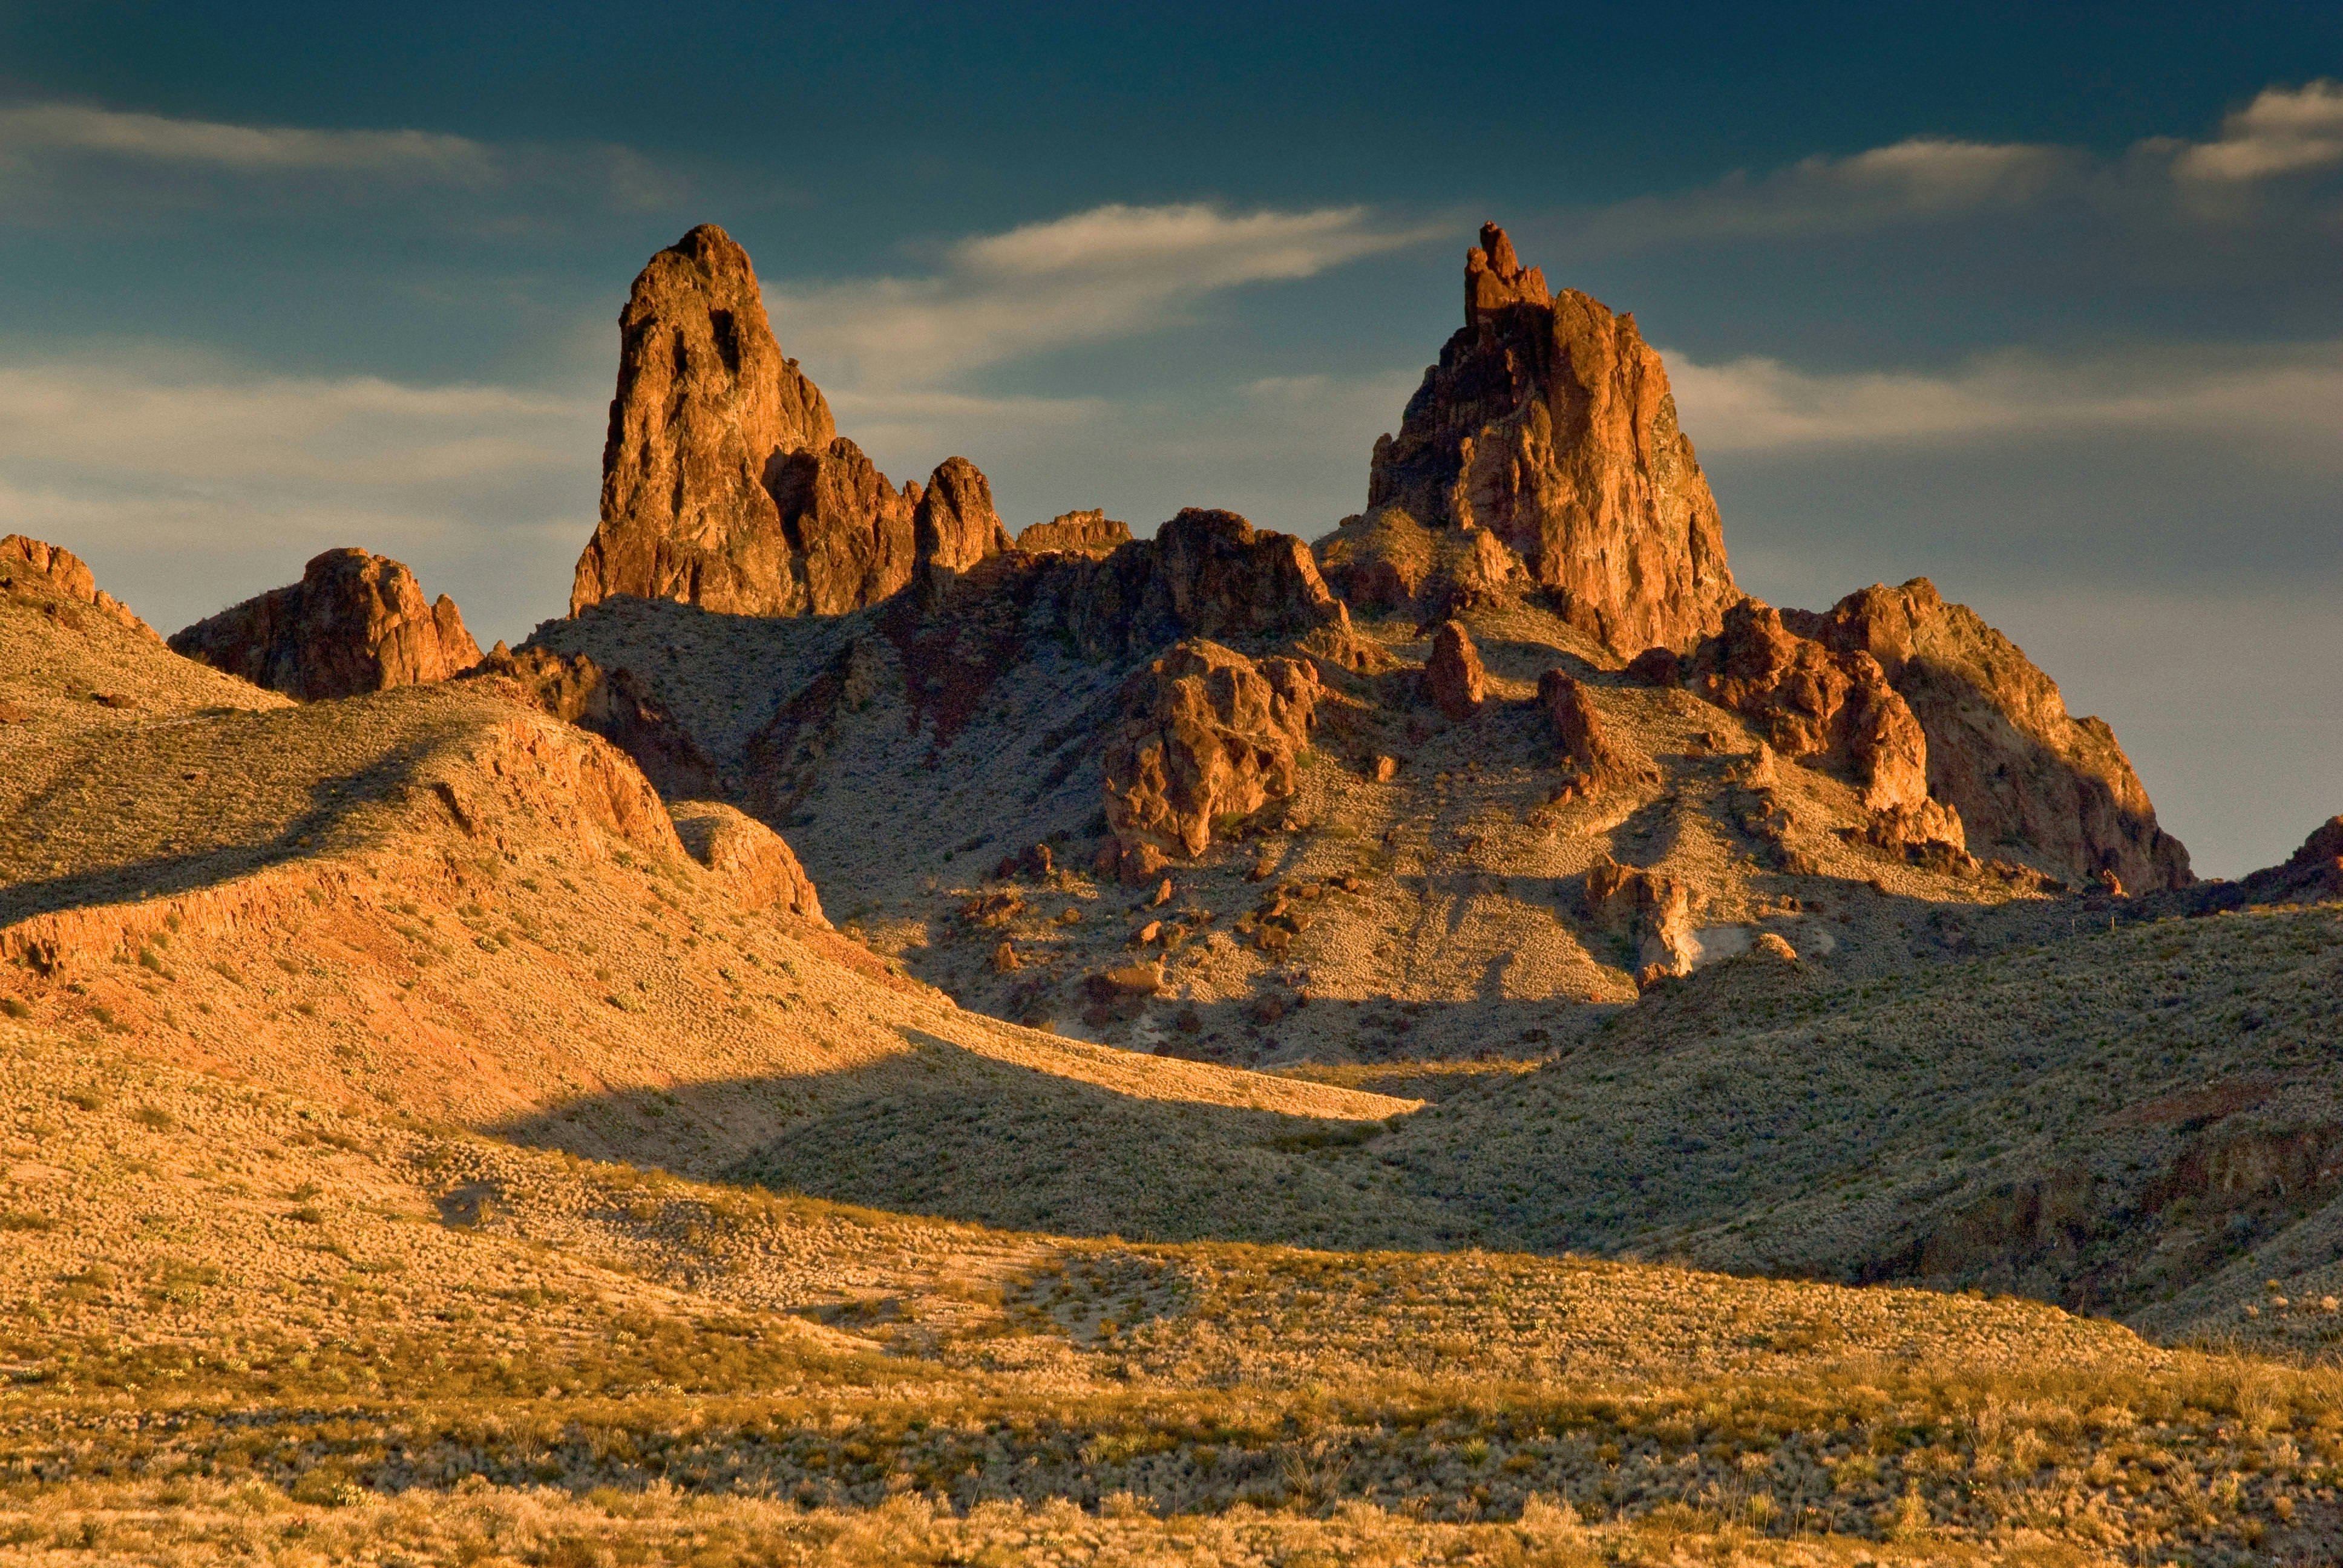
(1111, 272)
(27, 129)
(2289, 397)
(1932, 179)
(82, 164)
(1914, 180)
(193, 485)
(2283, 131)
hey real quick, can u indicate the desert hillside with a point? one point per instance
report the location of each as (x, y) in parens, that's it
(883, 1037)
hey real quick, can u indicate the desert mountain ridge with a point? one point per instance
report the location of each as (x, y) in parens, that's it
(881, 1039)
(762, 618)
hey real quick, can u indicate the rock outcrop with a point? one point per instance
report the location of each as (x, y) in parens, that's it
(1205, 574)
(1386, 560)
(1090, 533)
(1206, 734)
(611, 703)
(1834, 708)
(759, 864)
(1648, 909)
(954, 526)
(355, 622)
(1549, 423)
(2312, 874)
(725, 482)
(1453, 677)
(60, 574)
(1591, 760)
(2002, 749)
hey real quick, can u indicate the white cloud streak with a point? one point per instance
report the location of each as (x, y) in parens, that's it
(28, 129)
(1919, 179)
(2285, 130)
(1110, 273)
(194, 486)
(2288, 399)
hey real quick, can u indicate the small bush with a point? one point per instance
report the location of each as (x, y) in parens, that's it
(15, 1008)
(154, 1116)
(17, 1220)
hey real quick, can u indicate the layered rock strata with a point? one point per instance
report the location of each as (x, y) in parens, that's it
(355, 622)
(1549, 423)
(2002, 749)
(1206, 734)
(725, 482)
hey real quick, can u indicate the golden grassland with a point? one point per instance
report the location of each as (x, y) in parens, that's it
(426, 1161)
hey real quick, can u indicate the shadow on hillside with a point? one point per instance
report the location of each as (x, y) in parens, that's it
(163, 875)
(956, 1133)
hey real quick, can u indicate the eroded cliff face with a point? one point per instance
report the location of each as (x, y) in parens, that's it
(1548, 423)
(355, 622)
(725, 482)
(2002, 749)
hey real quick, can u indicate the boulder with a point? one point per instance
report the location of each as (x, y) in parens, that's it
(612, 703)
(355, 622)
(758, 863)
(1206, 733)
(27, 565)
(1453, 677)
(1090, 533)
(2001, 748)
(1549, 423)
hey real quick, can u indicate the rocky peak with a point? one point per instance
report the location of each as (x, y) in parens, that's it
(355, 622)
(1549, 423)
(2002, 749)
(58, 572)
(954, 526)
(725, 482)
(1494, 277)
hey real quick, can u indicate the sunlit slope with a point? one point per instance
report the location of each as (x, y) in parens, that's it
(224, 1306)
(435, 900)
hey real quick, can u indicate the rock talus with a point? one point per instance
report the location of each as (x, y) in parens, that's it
(1548, 422)
(355, 622)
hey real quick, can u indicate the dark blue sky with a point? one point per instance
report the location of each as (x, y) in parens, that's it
(2040, 301)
